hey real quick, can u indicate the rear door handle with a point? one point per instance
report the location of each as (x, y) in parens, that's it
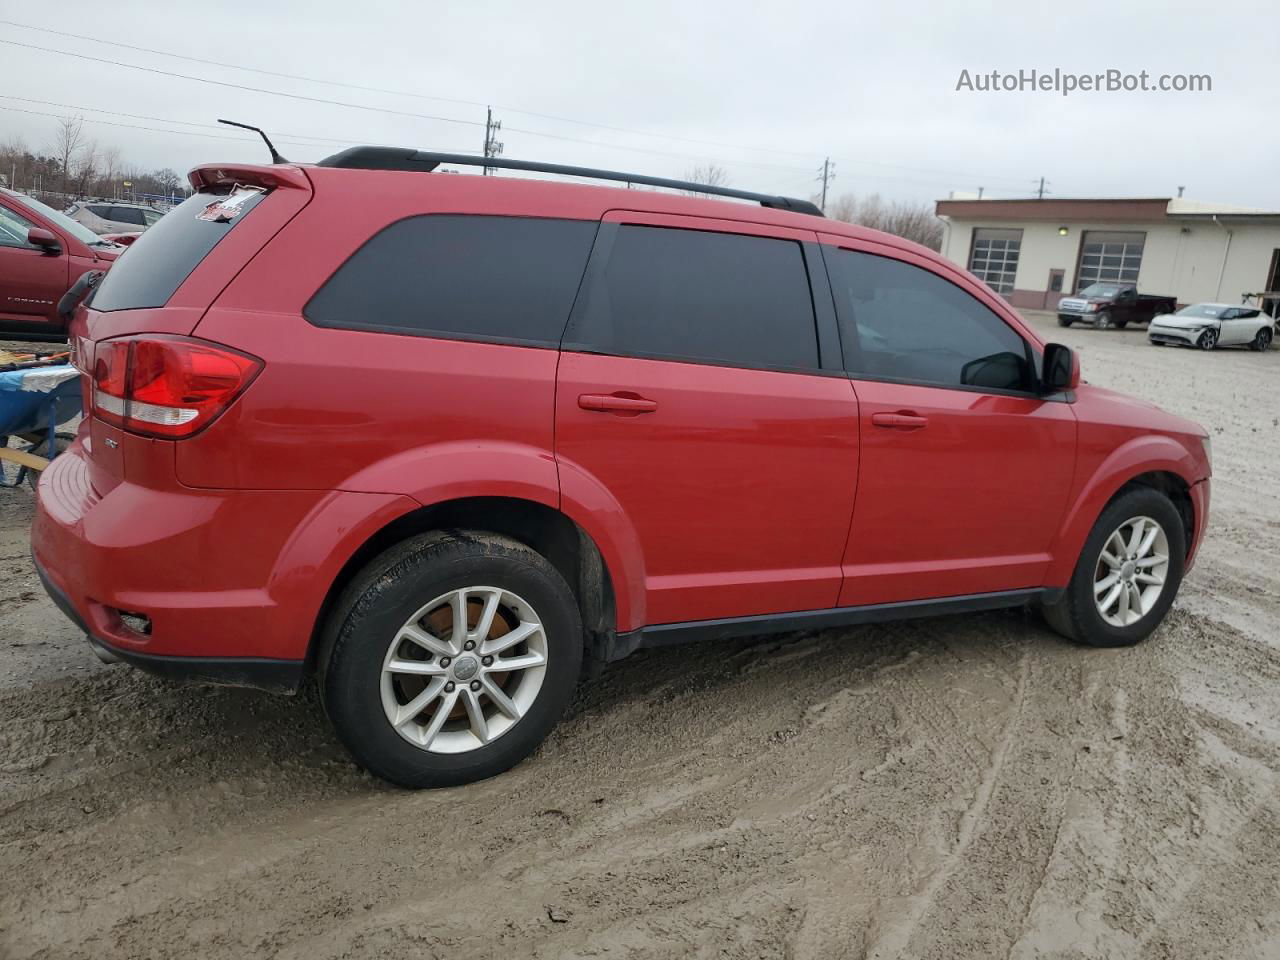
(616, 403)
(903, 420)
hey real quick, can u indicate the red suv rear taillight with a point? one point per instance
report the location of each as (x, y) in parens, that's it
(167, 386)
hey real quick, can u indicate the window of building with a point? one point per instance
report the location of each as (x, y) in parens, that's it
(994, 259)
(479, 277)
(1109, 257)
(903, 323)
(723, 298)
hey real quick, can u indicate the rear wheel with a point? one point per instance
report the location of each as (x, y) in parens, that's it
(451, 658)
(1208, 340)
(1128, 573)
(1262, 341)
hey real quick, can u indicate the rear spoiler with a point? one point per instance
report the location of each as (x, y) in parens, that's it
(209, 176)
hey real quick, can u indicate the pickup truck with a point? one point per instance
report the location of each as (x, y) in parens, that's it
(42, 253)
(1112, 305)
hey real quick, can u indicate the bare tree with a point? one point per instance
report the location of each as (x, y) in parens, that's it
(111, 162)
(86, 167)
(711, 174)
(912, 221)
(168, 180)
(68, 140)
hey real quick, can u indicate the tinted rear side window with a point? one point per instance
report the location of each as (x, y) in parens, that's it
(511, 279)
(164, 256)
(695, 295)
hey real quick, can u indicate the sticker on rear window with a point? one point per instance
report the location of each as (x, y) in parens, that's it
(229, 207)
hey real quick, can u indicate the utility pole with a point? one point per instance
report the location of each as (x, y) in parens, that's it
(826, 176)
(492, 148)
(980, 189)
(1180, 189)
(1040, 193)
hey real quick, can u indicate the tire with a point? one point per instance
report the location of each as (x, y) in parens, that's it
(1121, 324)
(1262, 342)
(366, 634)
(1065, 321)
(1155, 343)
(1103, 321)
(1077, 616)
(1208, 340)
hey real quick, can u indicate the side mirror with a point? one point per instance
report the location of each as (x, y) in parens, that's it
(39, 237)
(1061, 369)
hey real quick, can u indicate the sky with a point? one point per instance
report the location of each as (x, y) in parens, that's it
(765, 90)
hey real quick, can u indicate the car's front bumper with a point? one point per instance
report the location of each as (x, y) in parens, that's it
(1173, 335)
(1077, 317)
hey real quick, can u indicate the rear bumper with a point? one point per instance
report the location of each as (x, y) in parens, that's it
(277, 676)
(232, 581)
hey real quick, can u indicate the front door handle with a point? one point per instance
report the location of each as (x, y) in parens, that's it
(616, 403)
(902, 420)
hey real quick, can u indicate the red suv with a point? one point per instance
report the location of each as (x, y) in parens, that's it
(447, 442)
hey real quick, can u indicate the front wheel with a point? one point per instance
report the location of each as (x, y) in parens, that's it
(1065, 321)
(1208, 340)
(1103, 321)
(451, 657)
(1262, 341)
(1128, 573)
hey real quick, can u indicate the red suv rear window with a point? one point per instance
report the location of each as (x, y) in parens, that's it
(159, 260)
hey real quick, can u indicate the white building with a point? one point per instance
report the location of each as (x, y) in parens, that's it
(1034, 251)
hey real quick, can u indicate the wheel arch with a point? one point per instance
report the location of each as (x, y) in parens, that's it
(552, 533)
(1153, 461)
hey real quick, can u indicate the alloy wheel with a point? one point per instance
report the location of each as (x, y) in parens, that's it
(1208, 340)
(464, 669)
(1131, 571)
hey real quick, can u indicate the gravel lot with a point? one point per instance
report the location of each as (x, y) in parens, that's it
(951, 788)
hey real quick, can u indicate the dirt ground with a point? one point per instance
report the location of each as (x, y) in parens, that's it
(952, 788)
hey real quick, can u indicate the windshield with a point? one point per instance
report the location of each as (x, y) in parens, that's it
(1101, 290)
(1209, 310)
(77, 230)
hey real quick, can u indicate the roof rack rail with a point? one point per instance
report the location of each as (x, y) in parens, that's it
(406, 158)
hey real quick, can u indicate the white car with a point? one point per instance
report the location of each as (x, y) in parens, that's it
(1209, 325)
(113, 216)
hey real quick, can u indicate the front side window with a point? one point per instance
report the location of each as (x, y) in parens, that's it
(900, 322)
(512, 279)
(701, 296)
(994, 259)
(1110, 256)
(13, 229)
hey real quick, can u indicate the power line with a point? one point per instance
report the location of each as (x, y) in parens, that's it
(471, 103)
(241, 86)
(293, 137)
(134, 126)
(398, 93)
